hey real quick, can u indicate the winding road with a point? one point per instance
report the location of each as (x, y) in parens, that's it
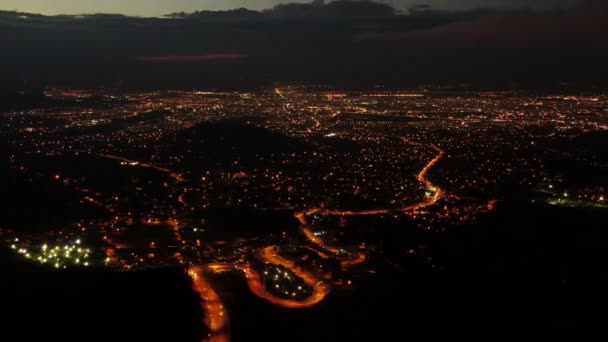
(269, 254)
(216, 317)
(176, 177)
(438, 194)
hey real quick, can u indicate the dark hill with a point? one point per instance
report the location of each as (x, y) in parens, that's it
(225, 143)
(97, 304)
(593, 142)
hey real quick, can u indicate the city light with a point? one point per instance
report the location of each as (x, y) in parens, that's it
(60, 256)
(348, 168)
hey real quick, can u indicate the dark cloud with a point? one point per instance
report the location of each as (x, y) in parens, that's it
(497, 4)
(347, 9)
(161, 7)
(514, 46)
(191, 58)
(346, 41)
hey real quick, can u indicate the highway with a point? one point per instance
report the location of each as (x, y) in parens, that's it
(176, 227)
(269, 254)
(216, 316)
(176, 177)
(305, 229)
(438, 194)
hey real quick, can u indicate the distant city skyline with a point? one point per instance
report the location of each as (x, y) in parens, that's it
(161, 7)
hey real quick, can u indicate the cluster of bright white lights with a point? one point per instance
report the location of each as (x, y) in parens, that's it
(64, 256)
(276, 273)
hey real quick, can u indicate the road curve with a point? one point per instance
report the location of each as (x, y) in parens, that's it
(216, 317)
(175, 176)
(269, 255)
(438, 194)
(305, 229)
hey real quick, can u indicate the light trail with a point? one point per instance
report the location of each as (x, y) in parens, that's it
(176, 177)
(438, 194)
(176, 227)
(305, 229)
(216, 316)
(319, 253)
(316, 125)
(269, 255)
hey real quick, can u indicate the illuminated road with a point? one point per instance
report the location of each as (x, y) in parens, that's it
(176, 227)
(316, 125)
(255, 284)
(216, 316)
(269, 255)
(438, 194)
(176, 177)
(305, 229)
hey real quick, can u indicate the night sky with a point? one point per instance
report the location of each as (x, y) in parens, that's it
(160, 7)
(343, 42)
